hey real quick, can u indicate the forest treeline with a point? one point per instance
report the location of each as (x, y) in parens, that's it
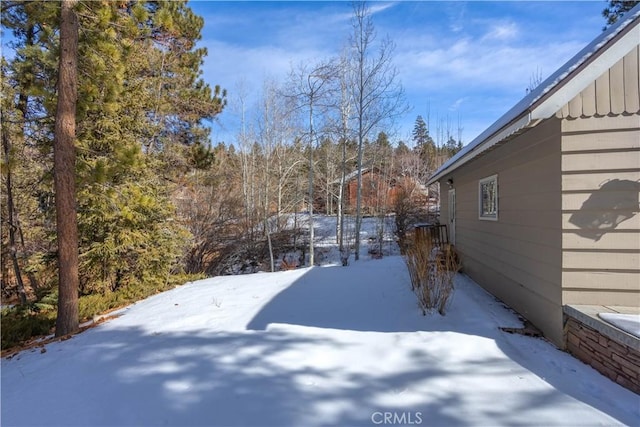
(154, 198)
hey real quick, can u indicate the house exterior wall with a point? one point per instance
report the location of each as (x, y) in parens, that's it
(601, 188)
(518, 257)
(615, 92)
(600, 210)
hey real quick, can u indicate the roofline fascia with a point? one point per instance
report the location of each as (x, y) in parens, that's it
(577, 83)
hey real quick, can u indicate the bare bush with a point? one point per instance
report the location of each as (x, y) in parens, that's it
(432, 270)
(408, 208)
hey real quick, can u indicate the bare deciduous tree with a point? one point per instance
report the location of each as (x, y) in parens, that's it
(311, 87)
(378, 96)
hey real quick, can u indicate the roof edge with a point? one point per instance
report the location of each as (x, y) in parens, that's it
(558, 89)
(583, 77)
(524, 121)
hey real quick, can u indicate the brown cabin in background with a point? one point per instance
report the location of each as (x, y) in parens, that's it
(380, 192)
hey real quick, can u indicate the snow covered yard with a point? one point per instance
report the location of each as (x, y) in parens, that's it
(316, 346)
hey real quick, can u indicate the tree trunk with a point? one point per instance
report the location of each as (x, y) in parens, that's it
(344, 252)
(311, 236)
(64, 160)
(11, 220)
(358, 198)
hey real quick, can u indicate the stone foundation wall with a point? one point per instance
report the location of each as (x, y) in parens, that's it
(617, 361)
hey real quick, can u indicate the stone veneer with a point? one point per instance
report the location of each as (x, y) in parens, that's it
(609, 350)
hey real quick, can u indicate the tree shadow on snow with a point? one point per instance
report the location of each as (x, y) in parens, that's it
(130, 377)
(324, 298)
(287, 369)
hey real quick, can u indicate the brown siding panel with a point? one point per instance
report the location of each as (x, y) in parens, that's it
(518, 257)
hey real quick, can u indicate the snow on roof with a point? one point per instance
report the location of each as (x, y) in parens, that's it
(348, 177)
(538, 104)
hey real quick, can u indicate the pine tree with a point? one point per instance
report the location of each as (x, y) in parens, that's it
(616, 9)
(420, 132)
(424, 144)
(140, 109)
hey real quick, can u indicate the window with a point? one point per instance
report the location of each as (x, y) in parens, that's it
(488, 194)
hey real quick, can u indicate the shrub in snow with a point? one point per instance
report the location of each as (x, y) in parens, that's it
(432, 270)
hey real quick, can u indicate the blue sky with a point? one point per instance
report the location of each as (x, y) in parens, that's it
(466, 60)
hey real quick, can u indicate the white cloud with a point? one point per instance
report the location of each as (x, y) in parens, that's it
(380, 7)
(468, 62)
(456, 105)
(464, 62)
(502, 31)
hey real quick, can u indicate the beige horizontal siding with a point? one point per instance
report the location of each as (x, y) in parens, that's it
(601, 205)
(600, 161)
(616, 91)
(583, 296)
(630, 225)
(608, 241)
(601, 260)
(595, 279)
(594, 180)
(625, 139)
(576, 201)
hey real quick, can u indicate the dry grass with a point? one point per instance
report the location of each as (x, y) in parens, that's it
(432, 271)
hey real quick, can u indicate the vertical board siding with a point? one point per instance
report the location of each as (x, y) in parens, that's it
(632, 81)
(616, 81)
(616, 91)
(518, 257)
(603, 105)
(589, 100)
(601, 210)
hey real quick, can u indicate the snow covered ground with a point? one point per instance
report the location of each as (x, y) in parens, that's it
(318, 346)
